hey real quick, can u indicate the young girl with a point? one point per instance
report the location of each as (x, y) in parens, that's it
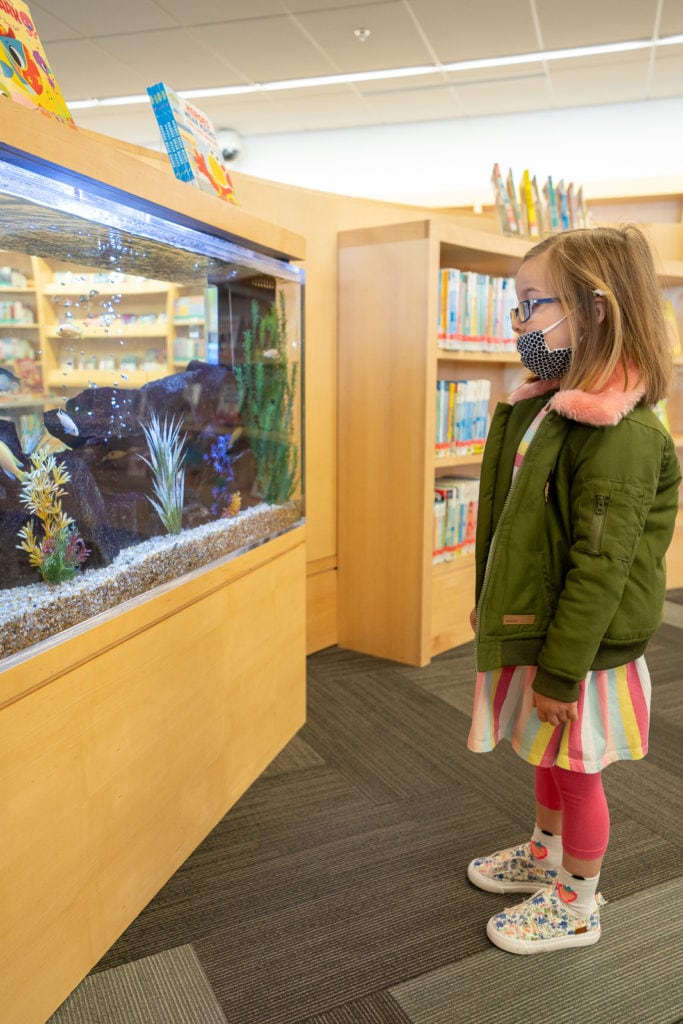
(577, 507)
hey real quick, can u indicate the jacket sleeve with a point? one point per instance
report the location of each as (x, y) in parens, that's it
(621, 512)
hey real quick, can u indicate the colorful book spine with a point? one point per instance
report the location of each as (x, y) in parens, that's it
(476, 313)
(506, 213)
(169, 113)
(551, 204)
(529, 205)
(462, 415)
(456, 501)
(190, 141)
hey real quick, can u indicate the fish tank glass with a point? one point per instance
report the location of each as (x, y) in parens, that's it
(151, 381)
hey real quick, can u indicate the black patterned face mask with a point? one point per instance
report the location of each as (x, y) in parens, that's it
(546, 363)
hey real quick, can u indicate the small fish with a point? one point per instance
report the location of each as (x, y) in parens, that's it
(271, 353)
(70, 330)
(114, 455)
(8, 381)
(10, 464)
(66, 423)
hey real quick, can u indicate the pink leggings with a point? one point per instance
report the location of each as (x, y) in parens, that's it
(585, 815)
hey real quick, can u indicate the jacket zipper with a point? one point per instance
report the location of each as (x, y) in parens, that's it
(599, 519)
(489, 560)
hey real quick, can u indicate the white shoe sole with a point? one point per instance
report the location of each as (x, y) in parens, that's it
(526, 946)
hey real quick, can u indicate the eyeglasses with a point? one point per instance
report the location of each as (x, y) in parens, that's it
(525, 310)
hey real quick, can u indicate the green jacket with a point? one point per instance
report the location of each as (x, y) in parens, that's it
(574, 578)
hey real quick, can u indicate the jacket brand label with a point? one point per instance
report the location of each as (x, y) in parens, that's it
(519, 620)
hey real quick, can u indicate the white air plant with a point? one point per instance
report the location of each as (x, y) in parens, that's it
(166, 454)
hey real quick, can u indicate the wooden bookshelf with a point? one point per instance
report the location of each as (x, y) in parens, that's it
(393, 602)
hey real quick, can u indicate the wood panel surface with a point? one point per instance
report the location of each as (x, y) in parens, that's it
(77, 152)
(386, 395)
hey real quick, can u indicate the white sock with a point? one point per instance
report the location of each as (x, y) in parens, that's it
(577, 894)
(546, 848)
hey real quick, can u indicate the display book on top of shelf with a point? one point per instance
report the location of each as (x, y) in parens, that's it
(393, 601)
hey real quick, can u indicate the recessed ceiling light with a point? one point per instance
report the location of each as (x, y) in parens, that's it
(362, 34)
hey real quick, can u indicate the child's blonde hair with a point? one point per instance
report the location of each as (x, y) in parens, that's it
(617, 263)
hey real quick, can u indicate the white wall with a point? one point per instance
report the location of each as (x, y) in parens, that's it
(444, 163)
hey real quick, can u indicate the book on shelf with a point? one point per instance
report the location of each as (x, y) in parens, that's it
(474, 312)
(514, 201)
(191, 142)
(528, 205)
(27, 77)
(456, 501)
(462, 415)
(506, 213)
(551, 205)
(539, 211)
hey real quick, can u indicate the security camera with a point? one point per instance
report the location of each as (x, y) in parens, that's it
(230, 144)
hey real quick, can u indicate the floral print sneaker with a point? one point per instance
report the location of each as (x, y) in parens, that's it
(517, 869)
(543, 923)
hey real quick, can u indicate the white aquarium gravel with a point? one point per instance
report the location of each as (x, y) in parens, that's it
(41, 610)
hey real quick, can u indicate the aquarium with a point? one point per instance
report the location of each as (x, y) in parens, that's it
(151, 381)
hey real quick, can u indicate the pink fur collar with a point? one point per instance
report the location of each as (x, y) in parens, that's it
(604, 408)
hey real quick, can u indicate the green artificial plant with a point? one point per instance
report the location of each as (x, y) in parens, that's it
(266, 392)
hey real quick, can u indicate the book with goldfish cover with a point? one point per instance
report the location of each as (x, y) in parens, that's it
(26, 74)
(190, 142)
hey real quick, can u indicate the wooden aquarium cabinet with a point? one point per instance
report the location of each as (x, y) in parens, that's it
(126, 737)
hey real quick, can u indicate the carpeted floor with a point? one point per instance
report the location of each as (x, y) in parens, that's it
(334, 892)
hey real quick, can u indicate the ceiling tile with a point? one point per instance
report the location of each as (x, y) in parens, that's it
(594, 22)
(49, 25)
(667, 73)
(89, 18)
(394, 40)
(300, 6)
(207, 12)
(177, 57)
(470, 30)
(84, 70)
(265, 50)
(671, 22)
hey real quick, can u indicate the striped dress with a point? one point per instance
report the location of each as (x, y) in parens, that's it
(613, 707)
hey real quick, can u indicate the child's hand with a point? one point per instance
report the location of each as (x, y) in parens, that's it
(473, 620)
(555, 712)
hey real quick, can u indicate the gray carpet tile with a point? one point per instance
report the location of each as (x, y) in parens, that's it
(168, 988)
(379, 1008)
(297, 754)
(673, 613)
(632, 976)
(339, 877)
